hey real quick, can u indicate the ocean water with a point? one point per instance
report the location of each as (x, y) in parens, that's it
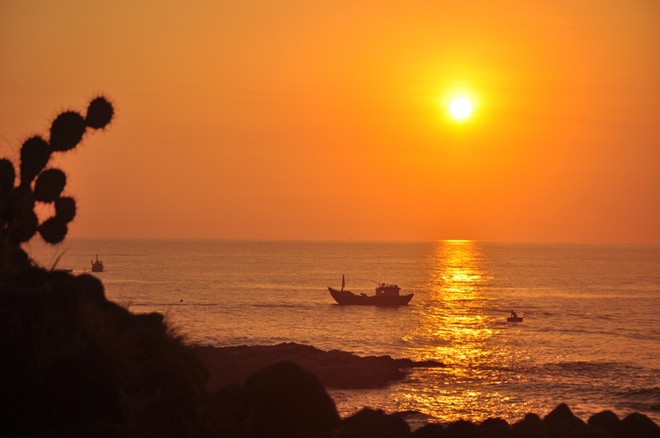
(590, 335)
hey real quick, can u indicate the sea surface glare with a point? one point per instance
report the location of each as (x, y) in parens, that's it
(590, 335)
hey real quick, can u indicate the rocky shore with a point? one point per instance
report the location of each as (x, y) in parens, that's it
(77, 364)
(284, 400)
(335, 369)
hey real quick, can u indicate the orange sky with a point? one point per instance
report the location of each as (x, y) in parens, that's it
(301, 120)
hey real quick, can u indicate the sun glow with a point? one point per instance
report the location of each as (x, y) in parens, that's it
(460, 108)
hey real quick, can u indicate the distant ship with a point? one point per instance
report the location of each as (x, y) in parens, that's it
(97, 266)
(387, 295)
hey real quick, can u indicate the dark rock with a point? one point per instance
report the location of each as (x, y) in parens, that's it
(335, 369)
(75, 364)
(463, 429)
(369, 423)
(430, 431)
(81, 390)
(562, 422)
(607, 424)
(284, 400)
(496, 428)
(225, 412)
(530, 427)
(92, 287)
(638, 425)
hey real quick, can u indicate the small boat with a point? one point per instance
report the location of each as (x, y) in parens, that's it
(514, 317)
(97, 266)
(387, 295)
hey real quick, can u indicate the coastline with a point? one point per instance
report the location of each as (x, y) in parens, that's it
(279, 369)
(106, 371)
(335, 368)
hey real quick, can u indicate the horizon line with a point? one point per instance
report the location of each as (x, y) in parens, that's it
(367, 240)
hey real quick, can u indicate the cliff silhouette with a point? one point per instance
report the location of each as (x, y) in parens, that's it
(74, 363)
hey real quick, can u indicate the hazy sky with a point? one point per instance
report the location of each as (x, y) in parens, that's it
(327, 120)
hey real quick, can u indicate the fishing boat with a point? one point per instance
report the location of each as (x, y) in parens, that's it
(97, 266)
(387, 295)
(514, 317)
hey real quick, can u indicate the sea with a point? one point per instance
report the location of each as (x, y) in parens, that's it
(590, 336)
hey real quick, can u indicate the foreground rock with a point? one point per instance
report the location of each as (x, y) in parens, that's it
(75, 364)
(335, 369)
(560, 423)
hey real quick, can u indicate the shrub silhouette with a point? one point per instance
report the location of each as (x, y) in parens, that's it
(37, 183)
(74, 363)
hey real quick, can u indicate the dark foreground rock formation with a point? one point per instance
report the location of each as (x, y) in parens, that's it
(75, 364)
(335, 369)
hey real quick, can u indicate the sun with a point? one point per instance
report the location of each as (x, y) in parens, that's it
(460, 108)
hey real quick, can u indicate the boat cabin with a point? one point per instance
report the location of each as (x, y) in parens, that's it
(388, 290)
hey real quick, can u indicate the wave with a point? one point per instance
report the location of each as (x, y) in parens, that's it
(172, 303)
(585, 365)
(597, 371)
(284, 305)
(642, 399)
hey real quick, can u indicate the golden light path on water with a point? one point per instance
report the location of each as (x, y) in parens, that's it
(455, 328)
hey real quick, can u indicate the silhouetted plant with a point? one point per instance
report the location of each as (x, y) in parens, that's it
(66, 131)
(99, 113)
(18, 220)
(53, 230)
(65, 208)
(35, 154)
(49, 185)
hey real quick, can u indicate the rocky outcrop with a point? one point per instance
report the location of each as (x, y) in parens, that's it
(560, 423)
(285, 400)
(76, 364)
(335, 369)
(372, 423)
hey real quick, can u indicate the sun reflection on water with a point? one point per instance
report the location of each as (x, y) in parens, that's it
(457, 326)
(454, 321)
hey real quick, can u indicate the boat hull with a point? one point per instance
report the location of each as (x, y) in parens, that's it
(348, 298)
(514, 319)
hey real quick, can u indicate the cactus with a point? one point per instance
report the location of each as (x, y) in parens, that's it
(66, 131)
(99, 113)
(18, 220)
(65, 208)
(49, 185)
(53, 230)
(25, 227)
(7, 177)
(35, 154)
